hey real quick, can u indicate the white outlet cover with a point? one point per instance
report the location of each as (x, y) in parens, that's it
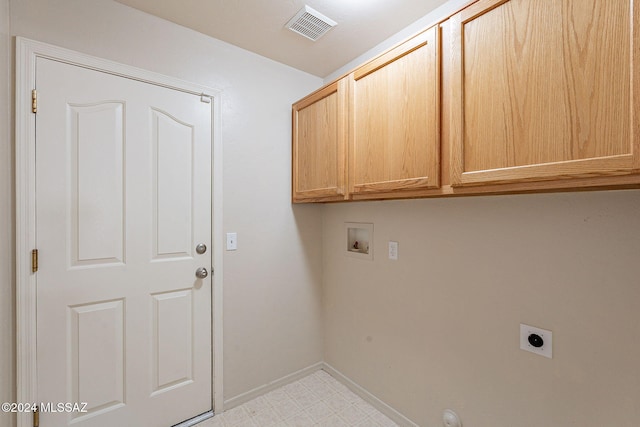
(545, 350)
(393, 250)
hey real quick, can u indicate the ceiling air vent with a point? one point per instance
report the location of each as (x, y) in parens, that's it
(310, 23)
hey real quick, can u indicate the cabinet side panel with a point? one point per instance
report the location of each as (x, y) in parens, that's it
(445, 102)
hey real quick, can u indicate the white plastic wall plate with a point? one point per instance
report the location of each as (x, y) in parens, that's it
(393, 250)
(536, 340)
(232, 241)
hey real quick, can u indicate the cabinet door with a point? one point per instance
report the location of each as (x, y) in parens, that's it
(394, 126)
(319, 145)
(544, 90)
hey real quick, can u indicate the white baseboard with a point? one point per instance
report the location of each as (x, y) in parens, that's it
(387, 410)
(266, 388)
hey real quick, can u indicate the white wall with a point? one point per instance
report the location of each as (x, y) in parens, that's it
(7, 295)
(421, 24)
(272, 286)
(439, 328)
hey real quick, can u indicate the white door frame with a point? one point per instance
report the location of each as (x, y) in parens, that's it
(27, 51)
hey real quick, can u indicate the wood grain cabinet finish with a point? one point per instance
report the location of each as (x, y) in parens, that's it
(544, 90)
(394, 120)
(319, 145)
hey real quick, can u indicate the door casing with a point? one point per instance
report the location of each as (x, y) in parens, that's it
(27, 51)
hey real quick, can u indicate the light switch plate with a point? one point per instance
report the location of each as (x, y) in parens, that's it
(393, 250)
(232, 241)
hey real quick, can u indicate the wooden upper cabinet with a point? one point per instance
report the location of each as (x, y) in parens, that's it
(544, 90)
(319, 145)
(394, 122)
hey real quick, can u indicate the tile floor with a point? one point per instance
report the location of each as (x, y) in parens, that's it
(315, 400)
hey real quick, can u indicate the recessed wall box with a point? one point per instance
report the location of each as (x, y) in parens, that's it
(359, 240)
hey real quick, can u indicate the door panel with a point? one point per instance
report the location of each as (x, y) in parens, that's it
(173, 339)
(97, 192)
(394, 138)
(173, 172)
(123, 189)
(97, 354)
(319, 145)
(562, 79)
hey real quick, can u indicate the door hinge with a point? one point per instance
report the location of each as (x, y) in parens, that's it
(34, 101)
(36, 417)
(34, 260)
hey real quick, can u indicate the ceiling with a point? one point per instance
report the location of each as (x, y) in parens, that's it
(258, 26)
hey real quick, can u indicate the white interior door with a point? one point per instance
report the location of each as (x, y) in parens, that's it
(123, 194)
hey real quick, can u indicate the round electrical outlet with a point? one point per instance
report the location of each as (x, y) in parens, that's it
(535, 340)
